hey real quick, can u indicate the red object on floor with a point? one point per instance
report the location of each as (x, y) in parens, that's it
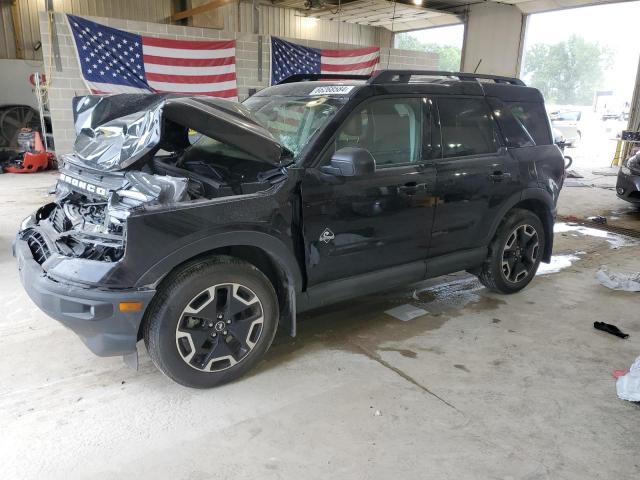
(35, 161)
(619, 373)
(31, 163)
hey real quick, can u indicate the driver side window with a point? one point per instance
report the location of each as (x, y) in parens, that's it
(390, 128)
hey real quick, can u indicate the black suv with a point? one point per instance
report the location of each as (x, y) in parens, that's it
(201, 225)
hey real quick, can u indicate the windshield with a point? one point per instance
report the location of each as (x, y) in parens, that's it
(293, 121)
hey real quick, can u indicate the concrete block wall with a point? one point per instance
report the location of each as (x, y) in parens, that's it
(67, 83)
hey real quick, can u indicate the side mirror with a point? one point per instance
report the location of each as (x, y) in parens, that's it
(351, 162)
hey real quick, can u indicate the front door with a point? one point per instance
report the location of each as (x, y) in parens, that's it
(355, 225)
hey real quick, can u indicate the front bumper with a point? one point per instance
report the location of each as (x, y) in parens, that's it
(92, 313)
(628, 187)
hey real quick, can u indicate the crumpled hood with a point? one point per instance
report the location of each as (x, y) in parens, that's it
(115, 131)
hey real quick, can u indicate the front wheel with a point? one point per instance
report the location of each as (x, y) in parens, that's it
(514, 253)
(211, 322)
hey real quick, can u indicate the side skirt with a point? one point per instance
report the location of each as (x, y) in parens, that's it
(335, 291)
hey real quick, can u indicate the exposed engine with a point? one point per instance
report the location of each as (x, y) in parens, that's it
(91, 208)
(133, 152)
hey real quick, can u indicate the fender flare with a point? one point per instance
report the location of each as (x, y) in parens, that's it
(272, 246)
(531, 193)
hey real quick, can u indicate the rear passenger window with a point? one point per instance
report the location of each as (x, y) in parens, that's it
(514, 132)
(534, 117)
(467, 127)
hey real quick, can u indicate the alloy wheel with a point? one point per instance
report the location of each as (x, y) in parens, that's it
(219, 327)
(520, 253)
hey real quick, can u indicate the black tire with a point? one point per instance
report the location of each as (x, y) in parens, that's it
(506, 279)
(196, 285)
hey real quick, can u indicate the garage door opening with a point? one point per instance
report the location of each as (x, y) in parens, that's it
(444, 41)
(584, 60)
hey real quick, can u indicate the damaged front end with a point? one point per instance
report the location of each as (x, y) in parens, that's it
(89, 215)
(137, 151)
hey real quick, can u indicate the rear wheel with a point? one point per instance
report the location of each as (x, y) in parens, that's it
(515, 253)
(211, 322)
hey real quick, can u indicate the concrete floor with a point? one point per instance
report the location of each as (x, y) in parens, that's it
(594, 194)
(484, 386)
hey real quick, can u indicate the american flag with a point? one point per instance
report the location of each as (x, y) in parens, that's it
(289, 59)
(115, 61)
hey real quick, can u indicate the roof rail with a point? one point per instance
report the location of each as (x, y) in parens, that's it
(308, 77)
(404, 76)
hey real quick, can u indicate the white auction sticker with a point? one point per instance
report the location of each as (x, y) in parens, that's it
(332, 90)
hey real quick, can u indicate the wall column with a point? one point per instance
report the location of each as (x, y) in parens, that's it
(493, 38)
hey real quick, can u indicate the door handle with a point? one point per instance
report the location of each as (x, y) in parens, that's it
(411, 188)
(499, 176)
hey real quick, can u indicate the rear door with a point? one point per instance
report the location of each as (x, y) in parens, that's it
(475, 175)
(355, 225)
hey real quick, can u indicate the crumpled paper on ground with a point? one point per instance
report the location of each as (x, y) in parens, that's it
(628, 386)
(619, 281)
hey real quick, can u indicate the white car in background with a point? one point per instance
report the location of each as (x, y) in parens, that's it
(568, 123)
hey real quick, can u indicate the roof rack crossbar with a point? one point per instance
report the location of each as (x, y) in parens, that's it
(404, 76)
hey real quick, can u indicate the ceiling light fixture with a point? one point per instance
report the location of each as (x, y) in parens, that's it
(417, 2)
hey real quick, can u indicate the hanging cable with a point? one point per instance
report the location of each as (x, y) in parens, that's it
(339, 20)
(393, 19)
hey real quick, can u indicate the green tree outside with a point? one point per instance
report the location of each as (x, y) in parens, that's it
(567, 72)
(449, 57)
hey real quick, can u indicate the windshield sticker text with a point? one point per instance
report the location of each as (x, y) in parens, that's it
(332, 90)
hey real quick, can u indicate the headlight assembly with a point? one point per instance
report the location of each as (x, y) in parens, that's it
(633, 164)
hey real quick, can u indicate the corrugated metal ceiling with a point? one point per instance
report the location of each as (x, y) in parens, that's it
(403, 15)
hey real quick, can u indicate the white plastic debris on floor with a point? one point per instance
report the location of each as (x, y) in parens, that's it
(406, 312)
(619, 281)
(628, 386)
(557, 264)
